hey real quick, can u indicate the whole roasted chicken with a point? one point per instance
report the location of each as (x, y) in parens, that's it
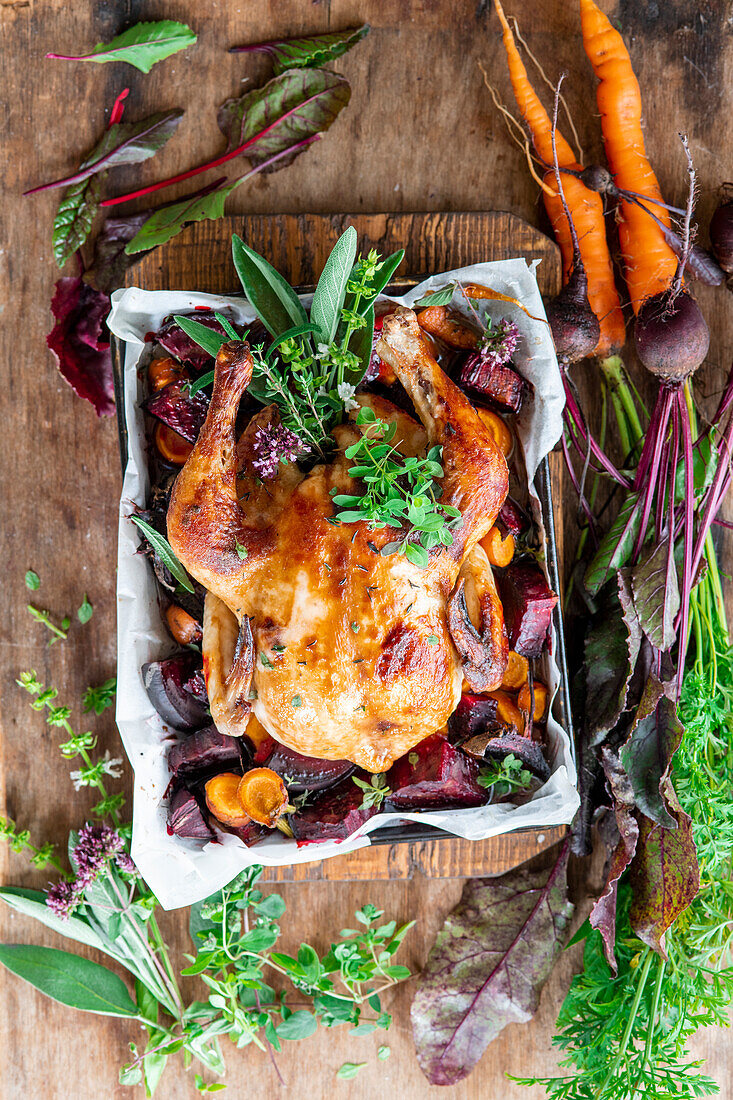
(339, 651)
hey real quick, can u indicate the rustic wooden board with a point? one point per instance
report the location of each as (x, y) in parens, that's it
(420, 133)
(297, 245)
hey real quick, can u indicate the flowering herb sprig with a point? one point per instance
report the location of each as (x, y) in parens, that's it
(400, 492)
(499, 342)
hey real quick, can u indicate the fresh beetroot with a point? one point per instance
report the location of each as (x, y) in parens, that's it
(204, 751)
(671, 335)
(435, 775)
(528, 603)
(174, 406)
(186, 818)
(178, 344)
(306, 773)
(176, 689)
(721, 235)
(473, 715)
(335, 814)
(574, 326)
(500, 383)
(513, 518)
(527, 750)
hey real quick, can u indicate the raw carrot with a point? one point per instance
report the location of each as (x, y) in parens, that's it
(650, 264)
(586, 205)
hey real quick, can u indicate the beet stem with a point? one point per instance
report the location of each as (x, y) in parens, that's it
(576, 415)
(687, 575)
(581, 499)
(663, 401)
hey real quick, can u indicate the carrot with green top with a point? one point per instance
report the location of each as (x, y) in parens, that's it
(650, 264)
(586, 205)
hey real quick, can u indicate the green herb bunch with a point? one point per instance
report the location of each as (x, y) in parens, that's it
(505, 776)
(102, 902)
(400, 492)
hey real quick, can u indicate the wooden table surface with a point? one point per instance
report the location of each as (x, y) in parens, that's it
(419, 134)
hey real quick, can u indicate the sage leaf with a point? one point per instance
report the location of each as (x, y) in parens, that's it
(616, 546)
(75, 217)
(163, 549)
(271, 297)
(656, 595)
(271, 120)
(123, 143)
(69, 979)
(206, 338)
(488, 965)
(328, 298)
(313, 52)
(32, 903)
(142, 45)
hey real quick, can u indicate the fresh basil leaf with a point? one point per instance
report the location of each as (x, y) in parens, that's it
(442, 297)
(32, 903)
(328, 298)
(300, 1025)
(123, 143)
(271, 297)
(206, 338)
(163, 549)
(74, 218)
(313, 52)
(69, 979)
(271, 120)
(142, 45)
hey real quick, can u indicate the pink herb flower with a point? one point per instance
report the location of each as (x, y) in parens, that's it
(499, 343)
(273, 444)
(62, 899)
(96, 846)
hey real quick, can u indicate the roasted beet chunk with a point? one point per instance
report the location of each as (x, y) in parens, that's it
(306, 773)
(174, 406)
(335, 814)
(175, 341)
(435, 776)
(513, 518)
(251, 833)
(527, 750)
(528, 604)
(473, 715)
(176, 689)
(186, 818)
(498, 382)
(205, 751)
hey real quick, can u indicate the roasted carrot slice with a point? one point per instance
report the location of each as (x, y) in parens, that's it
(172, 446)
(499, 429)
(540, 700)
(262, 795)
(499, 551)
(223, 800)
(448, 326)
(517, 671)
(507, 710)
(182, 626)
(162, 372)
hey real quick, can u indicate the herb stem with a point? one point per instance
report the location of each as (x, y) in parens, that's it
(644, 974)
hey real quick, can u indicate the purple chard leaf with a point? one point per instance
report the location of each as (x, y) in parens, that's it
(292, 107)
(656, 595)
(647, 754)
(488, 966)
(611, 650)
(79, 342)
(110, 261)
(313, 52)
(74, 217)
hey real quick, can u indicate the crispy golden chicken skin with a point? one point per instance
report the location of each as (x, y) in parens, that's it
(341, 653)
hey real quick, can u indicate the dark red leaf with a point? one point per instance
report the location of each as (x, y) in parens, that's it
(611, 650)
(647, 754)
(79, 342)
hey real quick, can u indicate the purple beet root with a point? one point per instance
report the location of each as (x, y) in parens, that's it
(174, 406)
(251, 833)
(203, 751)
(335, 814)
(499, 383)
(527, 750)
(176, 689)
(473, 715)
(186, 818)
(528, 604)
(513, 518)
(306, 773)
(435, 776)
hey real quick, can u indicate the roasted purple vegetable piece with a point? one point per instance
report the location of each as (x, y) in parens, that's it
(333, 815)
(303, 773)
(176, 689)
(528, 603)
(203, 751)
(174, 406)
(499, 383)
(186, 818)
(513, 518)
(527, 750)
(251, 833)
(473, 715)
(435, 775)
(175, 341)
